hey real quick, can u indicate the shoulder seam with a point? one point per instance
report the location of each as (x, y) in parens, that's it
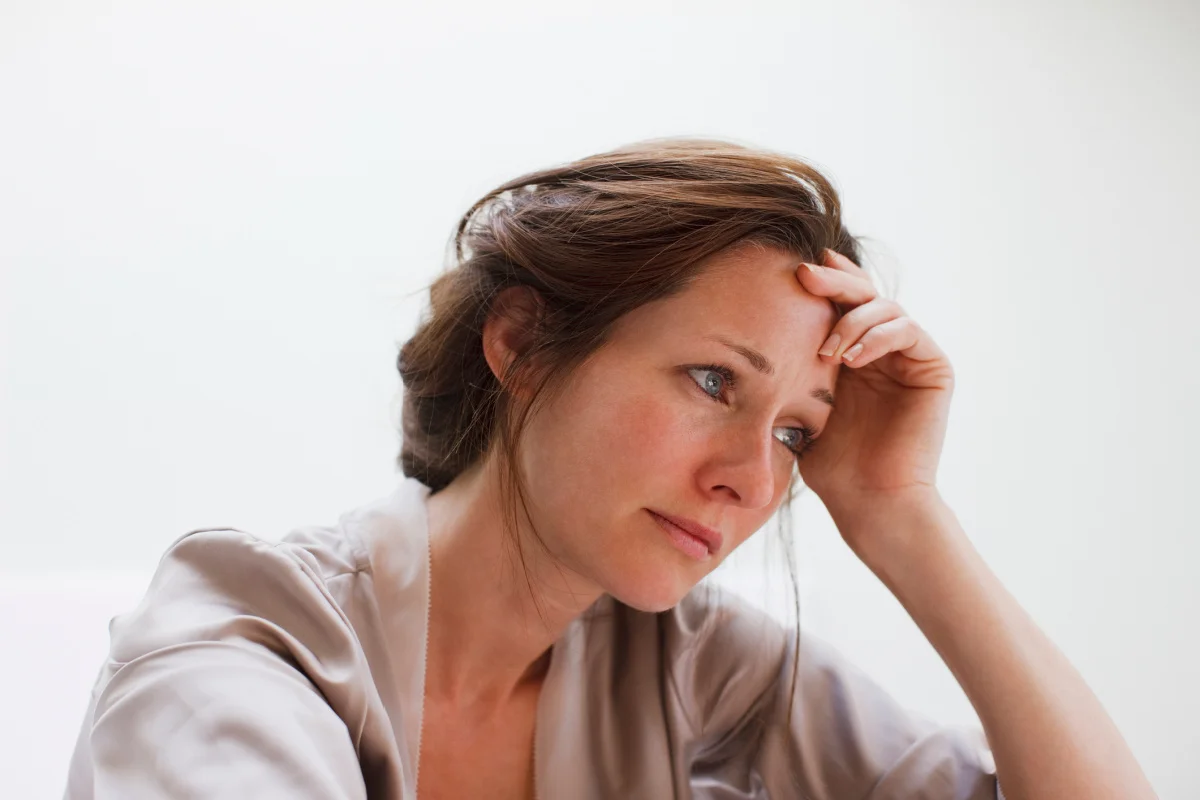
(361, 565)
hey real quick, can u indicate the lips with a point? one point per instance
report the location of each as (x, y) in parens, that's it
(710, 537)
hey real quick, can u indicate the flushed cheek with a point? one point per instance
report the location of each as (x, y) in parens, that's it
(652, 440)
(609, 446)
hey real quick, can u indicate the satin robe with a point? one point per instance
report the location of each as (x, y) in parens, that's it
(295, 669)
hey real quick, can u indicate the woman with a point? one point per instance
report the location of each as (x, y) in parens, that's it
(621, 375)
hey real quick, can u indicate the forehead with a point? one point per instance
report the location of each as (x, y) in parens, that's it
(751, 293)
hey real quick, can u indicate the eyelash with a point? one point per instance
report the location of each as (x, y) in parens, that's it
(730, 378)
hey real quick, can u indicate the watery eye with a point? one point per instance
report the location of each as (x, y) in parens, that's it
(792, 438)
(710, 381)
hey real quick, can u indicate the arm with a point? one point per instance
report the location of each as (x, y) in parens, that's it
(832, 734)
(1050, 736)
(213, 719)
(223, 682)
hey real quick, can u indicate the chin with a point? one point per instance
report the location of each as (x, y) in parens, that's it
(647, 574)
(654, 608)
(654, 593)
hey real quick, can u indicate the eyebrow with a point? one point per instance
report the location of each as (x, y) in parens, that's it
(763, 364)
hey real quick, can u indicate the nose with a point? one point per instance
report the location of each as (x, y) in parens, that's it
(742, 470)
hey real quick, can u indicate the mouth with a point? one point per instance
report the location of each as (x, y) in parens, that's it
(691, 537)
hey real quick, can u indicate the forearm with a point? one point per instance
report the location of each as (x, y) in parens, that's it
(1049, 734)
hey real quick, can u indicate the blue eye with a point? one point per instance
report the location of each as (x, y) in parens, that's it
(796, 443)
(720, 378)
(711, 385)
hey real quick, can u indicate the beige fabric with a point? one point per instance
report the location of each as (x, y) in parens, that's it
(296, 670)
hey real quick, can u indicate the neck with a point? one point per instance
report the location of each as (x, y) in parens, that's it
(498, 601)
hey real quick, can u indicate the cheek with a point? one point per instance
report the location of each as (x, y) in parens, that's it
(653, 438)
(613, 438)
(641, 444)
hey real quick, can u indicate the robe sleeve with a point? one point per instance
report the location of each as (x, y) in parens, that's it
(206, 692)
(846, 737)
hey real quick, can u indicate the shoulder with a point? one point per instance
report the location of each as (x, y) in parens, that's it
(228, 585)
(296, 596)
(731, 667)
(729, 660)
(238, 653)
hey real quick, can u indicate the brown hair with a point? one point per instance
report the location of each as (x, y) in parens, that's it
(596, 238)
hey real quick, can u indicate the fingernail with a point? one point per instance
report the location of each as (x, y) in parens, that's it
(830, 345)
(812, 267)
(853, 352)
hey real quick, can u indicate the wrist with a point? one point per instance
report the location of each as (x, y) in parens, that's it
(880, 527)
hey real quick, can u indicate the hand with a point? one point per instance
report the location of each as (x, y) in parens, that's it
(884, 439)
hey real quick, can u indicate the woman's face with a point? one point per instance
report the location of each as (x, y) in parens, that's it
(646, 425)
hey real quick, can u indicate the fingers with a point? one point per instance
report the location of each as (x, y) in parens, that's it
(872, 331)
(846, 289)
(853, 326)
(871, 326)
(832, 258)
(899, 334)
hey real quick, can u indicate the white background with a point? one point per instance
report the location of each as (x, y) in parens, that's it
(217, 221)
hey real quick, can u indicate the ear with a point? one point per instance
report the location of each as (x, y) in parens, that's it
(509, 327)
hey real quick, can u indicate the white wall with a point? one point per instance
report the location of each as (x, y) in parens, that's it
(218, 219)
